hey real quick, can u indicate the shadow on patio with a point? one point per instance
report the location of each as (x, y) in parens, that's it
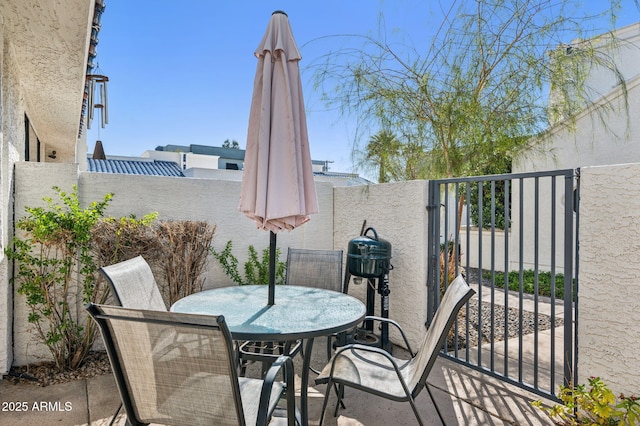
(465, 397)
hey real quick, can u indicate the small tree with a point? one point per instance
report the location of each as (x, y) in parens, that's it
(477, 88)
(382, 152)
(52, 256)
(231, 144)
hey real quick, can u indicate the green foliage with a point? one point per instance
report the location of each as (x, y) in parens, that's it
(475, 90)
(529, 282)
(256, 269)
(118, 239)
(393, 159)
(53, 251)
(595, 405)
(484, 191)
(231, 144)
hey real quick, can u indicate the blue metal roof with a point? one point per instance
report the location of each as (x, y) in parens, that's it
(133, 167)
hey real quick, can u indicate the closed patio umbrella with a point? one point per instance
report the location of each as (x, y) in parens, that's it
(278, 190)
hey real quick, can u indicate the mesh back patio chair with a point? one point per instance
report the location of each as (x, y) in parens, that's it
(318, 269)
(305, 268)
(375, 371)
(315, 268)
(133, 285)
(167, 382)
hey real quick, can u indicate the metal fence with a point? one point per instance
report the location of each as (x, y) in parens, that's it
(514, 237)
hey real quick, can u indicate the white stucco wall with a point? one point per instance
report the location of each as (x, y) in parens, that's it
(211, 200)
(591, 143)
(214, 201)
(609, 234)
(609, 318)
(397, 211)
(33, 181)
(11, 146)
(626, 55)
(610, 136)
(482, 238)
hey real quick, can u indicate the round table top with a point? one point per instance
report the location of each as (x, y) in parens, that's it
(298, 312)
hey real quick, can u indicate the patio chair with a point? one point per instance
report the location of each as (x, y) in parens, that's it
(161, 382)
(133, 285)
(318, 269)
(375, 371)
(315, 268)
(306, 268)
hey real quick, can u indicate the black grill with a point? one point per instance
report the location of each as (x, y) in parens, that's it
(370, 257)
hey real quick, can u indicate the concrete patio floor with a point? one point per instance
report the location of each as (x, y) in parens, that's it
(464, 396)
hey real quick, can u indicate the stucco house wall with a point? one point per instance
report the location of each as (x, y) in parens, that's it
(214, 201)
(44, 50)
(33, 181)
(607, 136)
(397, 211)
(609, 318)
(12, 109)
(591, 143)
(625, 54)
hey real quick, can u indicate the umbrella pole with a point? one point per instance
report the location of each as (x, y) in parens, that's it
(272, 268)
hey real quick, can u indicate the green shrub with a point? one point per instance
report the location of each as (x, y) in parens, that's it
(596, 405)
(60, 248)
(528, 282)
(498, 165)
(256, 269)
(51, 256)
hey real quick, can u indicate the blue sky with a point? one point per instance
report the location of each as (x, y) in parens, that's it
(182, 72)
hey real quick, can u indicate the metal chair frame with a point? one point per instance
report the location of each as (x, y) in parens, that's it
(363, 367)
(106, 315)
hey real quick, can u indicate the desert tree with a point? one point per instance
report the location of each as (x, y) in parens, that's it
(476, 90)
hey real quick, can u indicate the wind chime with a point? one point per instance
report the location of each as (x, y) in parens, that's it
(97, 98)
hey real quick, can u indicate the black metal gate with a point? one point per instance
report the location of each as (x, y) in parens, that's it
(514, 236)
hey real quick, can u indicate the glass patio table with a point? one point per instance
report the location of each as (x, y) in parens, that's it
(298, 313)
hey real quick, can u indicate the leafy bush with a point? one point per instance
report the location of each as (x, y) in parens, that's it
(596, 405)
(119, 239)
(528, 282)
(498, 165)
(60, 248)
(256, 269)
(54, 252)
(177, 251)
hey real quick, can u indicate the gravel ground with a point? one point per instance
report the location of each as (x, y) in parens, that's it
(44, 374)
(482, 333)
(480, 320)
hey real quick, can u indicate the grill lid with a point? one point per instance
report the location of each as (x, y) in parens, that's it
(368, 256)
(367, 246)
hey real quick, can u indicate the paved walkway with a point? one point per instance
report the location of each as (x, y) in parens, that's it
(464, 396)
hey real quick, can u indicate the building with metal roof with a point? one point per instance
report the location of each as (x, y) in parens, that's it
(135, 167)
